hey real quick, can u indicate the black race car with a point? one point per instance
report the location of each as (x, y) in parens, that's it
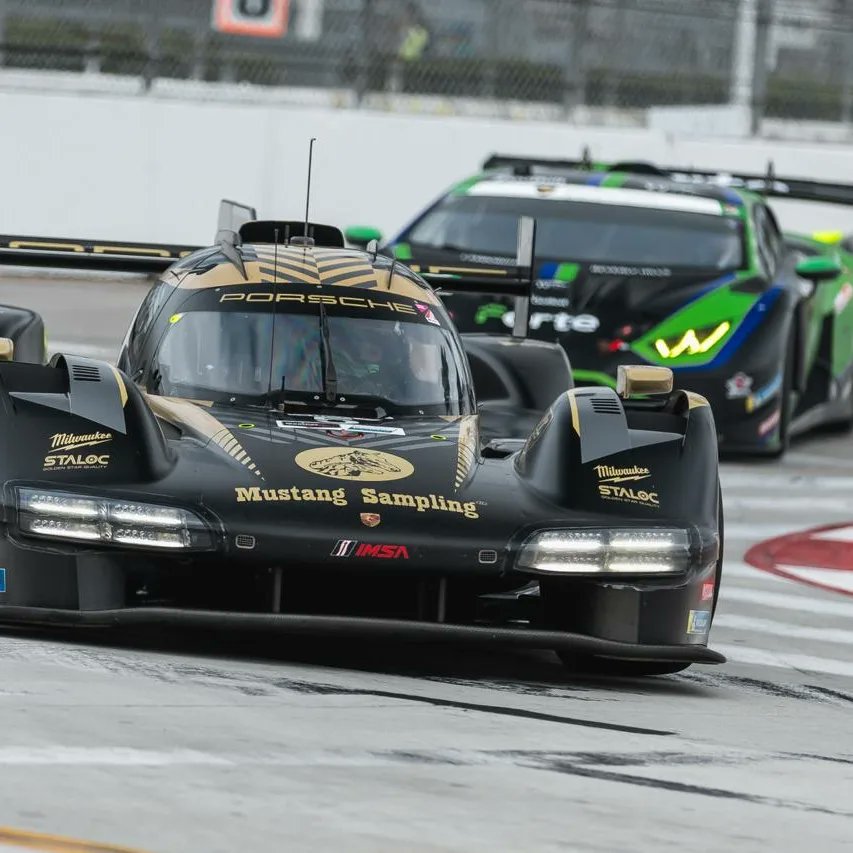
(686, 269)
(291, 441)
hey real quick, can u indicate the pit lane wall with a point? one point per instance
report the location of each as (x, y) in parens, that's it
(89, 160)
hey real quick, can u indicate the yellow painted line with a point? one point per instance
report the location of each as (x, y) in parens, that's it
(130, 250)
(25, 840)
(25, 244)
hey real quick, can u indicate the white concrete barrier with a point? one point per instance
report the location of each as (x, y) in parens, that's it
(124, 165)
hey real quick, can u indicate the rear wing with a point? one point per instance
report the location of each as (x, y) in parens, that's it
(514, 281)
(109, 256)
(768, 184)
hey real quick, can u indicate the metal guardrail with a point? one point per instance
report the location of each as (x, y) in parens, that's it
(779, 58)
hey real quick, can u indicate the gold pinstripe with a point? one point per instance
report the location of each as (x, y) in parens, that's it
(466, 449)
(122, 389)
(576, 418)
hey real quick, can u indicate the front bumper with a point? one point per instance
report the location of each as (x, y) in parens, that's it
(343, 626)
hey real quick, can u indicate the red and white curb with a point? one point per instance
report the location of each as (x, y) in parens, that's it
(821, 557)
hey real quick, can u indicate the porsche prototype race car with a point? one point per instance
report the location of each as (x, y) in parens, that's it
(291, 441)
(641, 265)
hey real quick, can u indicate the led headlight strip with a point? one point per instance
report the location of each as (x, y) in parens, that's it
(110, 521)
(615, 551)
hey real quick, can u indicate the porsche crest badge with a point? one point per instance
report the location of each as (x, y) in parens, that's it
(370, 519)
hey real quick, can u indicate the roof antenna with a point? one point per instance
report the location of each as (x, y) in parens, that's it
(586, 158)
(308, 190)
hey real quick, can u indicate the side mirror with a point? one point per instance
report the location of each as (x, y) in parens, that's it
(819, 268)
(633, 380)
(7, 349)
(361, 235)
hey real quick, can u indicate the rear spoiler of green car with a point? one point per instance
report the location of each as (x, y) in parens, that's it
(769, 184)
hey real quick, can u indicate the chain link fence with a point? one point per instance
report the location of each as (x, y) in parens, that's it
(777, 58)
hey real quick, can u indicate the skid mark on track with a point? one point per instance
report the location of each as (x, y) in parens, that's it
(801, 692)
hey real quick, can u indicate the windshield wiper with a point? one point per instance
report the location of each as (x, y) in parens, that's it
(330, 375)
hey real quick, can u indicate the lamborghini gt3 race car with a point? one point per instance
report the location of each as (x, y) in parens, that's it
(640, 265)
(291, 441)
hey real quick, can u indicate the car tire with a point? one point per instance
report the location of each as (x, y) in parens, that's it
(787, 403)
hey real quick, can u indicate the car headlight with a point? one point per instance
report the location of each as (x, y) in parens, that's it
(110, 521)
(615, 551)
(693, 341)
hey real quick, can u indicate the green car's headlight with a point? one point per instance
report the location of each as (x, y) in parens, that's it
(693, 341)
(110, 521)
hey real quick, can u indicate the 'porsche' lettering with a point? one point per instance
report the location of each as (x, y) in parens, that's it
(264, 296)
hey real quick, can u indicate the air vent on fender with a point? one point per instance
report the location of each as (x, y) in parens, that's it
(606, 406)
(85, 373)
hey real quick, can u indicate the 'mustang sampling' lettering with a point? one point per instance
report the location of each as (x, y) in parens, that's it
(339, 497)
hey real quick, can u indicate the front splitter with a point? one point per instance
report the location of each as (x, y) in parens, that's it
(340, 626)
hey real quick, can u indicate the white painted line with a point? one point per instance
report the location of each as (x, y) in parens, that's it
(842, 534)
(801, 603)
(764, 657)
(829, 577)
(757, 532)
(783, 629)
(110, 755)
(816, 459)
(733, 569)
(790, 503)
(767, 483)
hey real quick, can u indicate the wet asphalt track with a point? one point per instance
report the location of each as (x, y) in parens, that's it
(228, 743)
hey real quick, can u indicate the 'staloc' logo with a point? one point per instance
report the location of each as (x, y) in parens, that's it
(61, 455)
(368, 466)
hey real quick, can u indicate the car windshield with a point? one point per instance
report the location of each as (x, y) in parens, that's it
(403, 361)
(583, 232)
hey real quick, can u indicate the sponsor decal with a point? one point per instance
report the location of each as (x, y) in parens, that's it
(765, 394)
(707, 591)
(334, 426)
(370, 519)
(367, 303)
(61, 455)
(420, 503)
(769, 424)
(490, 311)
(739, 386)
(561, 321)
(2, 580)
(615, 269)
(609, 474)
(698, 621)
(294, 494)
(369, 497)
(354, 464)
(426, 312)
(498, 260)
(550, 284)
(843, 297)
(354, 548)
(609, 488)
(550, 301)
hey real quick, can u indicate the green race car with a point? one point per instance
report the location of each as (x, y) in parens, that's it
(639, 264)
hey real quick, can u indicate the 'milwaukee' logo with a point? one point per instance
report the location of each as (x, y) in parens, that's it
(64, 441)
(609, 488)
(354, 464)
(63, 444)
